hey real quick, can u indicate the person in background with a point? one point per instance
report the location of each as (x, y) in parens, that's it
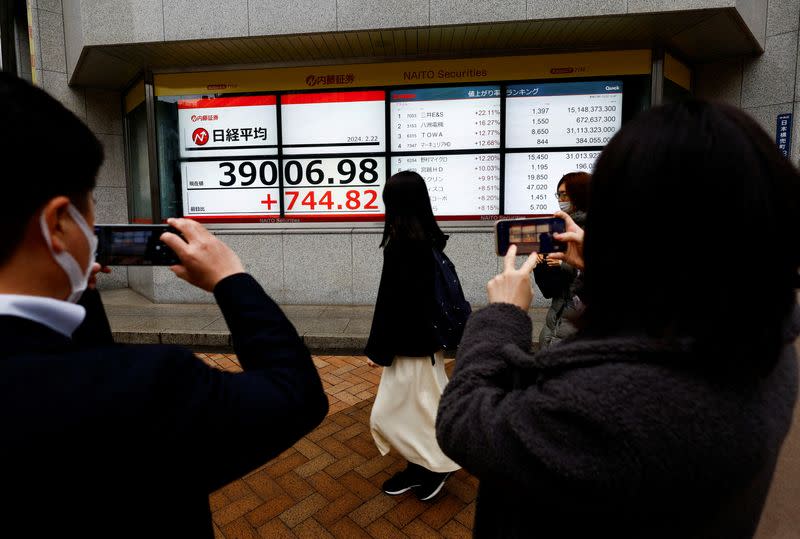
(403, 341)
(557, 279)
(662, 417)
(104, 440)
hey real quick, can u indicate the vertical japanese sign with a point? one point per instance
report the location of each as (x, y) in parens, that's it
(783, 133)
(32, 46)
(227, 147)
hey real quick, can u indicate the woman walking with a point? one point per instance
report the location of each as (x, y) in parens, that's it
(403, 340)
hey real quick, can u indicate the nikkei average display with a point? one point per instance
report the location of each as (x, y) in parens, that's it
(482, 149)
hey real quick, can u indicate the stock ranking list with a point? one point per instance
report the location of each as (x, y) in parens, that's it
(458, 185)
(562, 115)
(444, 119)
(558, 123)
(532, 178)
(431, 119)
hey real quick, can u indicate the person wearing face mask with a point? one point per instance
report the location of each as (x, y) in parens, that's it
(558, 280)
(105, 440)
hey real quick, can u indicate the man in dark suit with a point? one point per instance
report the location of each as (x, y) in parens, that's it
(104, 440)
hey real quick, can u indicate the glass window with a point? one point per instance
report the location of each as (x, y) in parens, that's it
(141, 208)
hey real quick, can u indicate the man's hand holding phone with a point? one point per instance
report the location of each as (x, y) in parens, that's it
(205, 259)
(573, 237)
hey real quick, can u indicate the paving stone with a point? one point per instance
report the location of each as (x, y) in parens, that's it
(311, 529)
(237, 490)
(308, 449)
(304, 509)
(316, 464)
(372, 510)
(406, 511)
(359, 486)
(338, 508)
(218, 500)
(269, 510)
(347, 529)
(239, 529)
(280, 466)
(467, 515)
(328, 484)
(454, 530)
(236, 509)
(335, 448)
(383, 529)
(419, 530)
(461, 489)
(276, 529)
(295, 486)
(442, 510)
(344, 465)
(264, 485)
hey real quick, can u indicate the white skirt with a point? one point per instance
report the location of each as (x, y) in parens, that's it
(404, 414)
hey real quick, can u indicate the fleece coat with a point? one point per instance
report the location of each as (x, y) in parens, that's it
(620, 437)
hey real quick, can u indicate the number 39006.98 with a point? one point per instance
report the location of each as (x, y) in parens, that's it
(294, 172)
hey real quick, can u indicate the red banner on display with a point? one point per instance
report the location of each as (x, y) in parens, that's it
(219, 102)
(333, 97)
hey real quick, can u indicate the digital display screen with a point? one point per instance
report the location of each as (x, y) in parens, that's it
(133, 245)
(459, 185)
(435, 119)
(228, 126)
(562, 114)
(532, 178)
(334, 122)
(484, 150)
(533, 235)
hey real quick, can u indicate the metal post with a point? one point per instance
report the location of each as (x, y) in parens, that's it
(152, 146)
(657, 78)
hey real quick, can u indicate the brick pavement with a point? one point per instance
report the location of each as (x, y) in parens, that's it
(328, 484)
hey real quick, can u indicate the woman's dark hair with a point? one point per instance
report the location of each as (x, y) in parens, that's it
(577, 186)
(409, 215)
(693, 231)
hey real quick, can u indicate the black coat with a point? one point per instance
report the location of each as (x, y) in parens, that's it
(559, 284)
(128, 441)
(403, 320)
(623, 437)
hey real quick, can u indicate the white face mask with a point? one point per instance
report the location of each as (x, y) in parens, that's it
(78, 278)
(565, 205)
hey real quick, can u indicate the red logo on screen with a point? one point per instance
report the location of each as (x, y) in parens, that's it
(325, 80)
(200, 136)
(562, 70)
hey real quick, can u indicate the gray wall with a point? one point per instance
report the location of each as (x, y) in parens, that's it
(325, 267)
(108, 22)
(765, 86)
(101, 110)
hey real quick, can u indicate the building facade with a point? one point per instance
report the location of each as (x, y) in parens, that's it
(148, 77)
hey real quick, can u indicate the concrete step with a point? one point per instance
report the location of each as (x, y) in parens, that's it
(326, 329)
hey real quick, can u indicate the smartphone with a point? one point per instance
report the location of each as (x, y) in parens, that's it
(529, 235)
(134, 245)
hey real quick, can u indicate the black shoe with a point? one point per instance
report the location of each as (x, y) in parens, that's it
(431, 485)
(403, 481)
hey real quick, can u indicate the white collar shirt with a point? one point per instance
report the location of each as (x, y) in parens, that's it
(60, 316)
